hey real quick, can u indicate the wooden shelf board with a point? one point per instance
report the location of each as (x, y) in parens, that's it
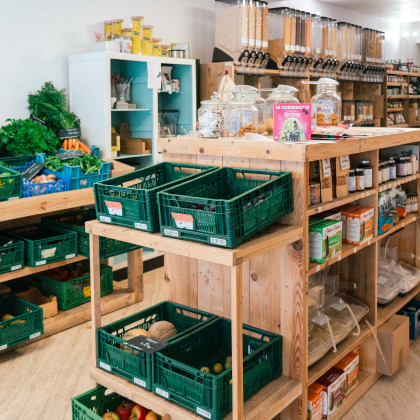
(330, 359)
(27, 271)
(398, 181)
(413, 96)
(402, 73)
(366, 380)
(269, 401)
(124, 156)
(319, 208)
(413, 74)
(271, 238)
(399, 225)
(398, 125)
(385, 312)
(397, 96)
(397, 83)
(395, 110)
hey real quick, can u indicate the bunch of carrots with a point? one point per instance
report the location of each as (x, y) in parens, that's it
(75, 144)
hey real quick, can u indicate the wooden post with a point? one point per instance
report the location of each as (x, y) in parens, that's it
(95, 289)
(135, 273)
(237, 343)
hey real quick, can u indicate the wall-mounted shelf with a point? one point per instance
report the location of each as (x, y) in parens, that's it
(131, 110)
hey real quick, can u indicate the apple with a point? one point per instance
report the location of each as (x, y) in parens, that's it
(152, 416)
(139, 412)
(110, 415)
(124, 410)
(6, 317)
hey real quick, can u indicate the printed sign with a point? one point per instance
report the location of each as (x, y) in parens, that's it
(70, 133)
(183, 221)
(326, 168)
(146, 344)
(33, 171)
(292, 122)
(114, 207)
(345, 162)
(71, 154)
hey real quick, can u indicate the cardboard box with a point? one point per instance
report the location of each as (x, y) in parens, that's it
(343, 210)
(48, 304)
(315, 402)
(394, 340)
(350, 365)
(133, 146)
(341, 171)
(359, 225)
(325, 240)
(4, 289)
(334, 390)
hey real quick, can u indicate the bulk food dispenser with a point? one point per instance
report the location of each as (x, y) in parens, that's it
(242, 34)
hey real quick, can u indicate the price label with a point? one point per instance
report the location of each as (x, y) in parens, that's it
(70, 133)
(33, 171)
(71, 154)
(141, 226)
(320, 320)
(114, 208)
(338, 306)
(70, 256)
(170, 232)
(183, 221)
(345, 162)
(86, 291)
(162, 393)
(35, 335)
(105, 219)
(203, 413)
(140, 382)
(40, 262)
(47, 253)
(218, 241)
(3, 347)
(16, 267)
(326, 168)
(146, 344)
(105, 366)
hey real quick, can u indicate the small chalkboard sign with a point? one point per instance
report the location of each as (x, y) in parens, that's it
(38, 120)
(71, 154)
(33, 171)
(111, 166)
(70, 133)
(146, 344)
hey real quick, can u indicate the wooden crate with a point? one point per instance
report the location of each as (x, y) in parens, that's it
(48, 304)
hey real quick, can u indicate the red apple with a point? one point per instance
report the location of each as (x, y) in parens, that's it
(124, 410)
(110, 415)
(139, 412)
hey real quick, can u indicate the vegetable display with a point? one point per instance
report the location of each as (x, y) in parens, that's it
(20, 137)
(87, 163)
(49, 104)
(75, 144)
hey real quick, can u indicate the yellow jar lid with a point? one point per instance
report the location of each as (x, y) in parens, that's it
(156, 39)
(108, 22)
(148, 26)
(137, 17)
(165, 46)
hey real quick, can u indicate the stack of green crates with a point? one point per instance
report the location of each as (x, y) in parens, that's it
(137, 366)
(136, 206)
(26, 324)
(11, 254)
(75, 221)
(11, 184)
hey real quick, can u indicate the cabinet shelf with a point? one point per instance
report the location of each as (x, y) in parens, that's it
(398, 181)
(131, 110)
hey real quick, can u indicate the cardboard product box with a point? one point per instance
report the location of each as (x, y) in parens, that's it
(133, 146)
(331, 215)
(394, 340)
(48, 304)
(4, 289)
(343, 211)
(341, 167)
(334, 390)
(315, 402)
(359, 225)
(350, 365)
(325, 240)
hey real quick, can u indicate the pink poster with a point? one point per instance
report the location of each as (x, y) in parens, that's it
(292, 122)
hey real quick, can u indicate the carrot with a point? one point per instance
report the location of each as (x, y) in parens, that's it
(73, 143)
(84, 147)
(65, 144)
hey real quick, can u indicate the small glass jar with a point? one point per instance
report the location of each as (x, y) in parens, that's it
(127, 33)
(380, 180)
(408, 203)
(241, 115)
(157, 48)
(392, 169)
(352, 181)
(108, 30)
(360, 179)
(401, 167)
(365, 165)
(314, 193)
(116, 28)
(409, 166)
(415, 203)
(211, 118)
(385, 174)
(146, 45)
(283, 94)
(164, 50)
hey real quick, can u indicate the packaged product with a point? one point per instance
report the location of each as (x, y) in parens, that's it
(359, 225)
(332, 215)
(325, 240)
(315, 402)
(350, 365)
(389, 286)
(385, 218)
(334, 391)
(319, 342)
(343, 210)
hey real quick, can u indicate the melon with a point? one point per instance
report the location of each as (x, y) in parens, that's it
(131, 334)
(162, 330)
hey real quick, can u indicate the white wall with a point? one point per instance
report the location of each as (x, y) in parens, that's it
(43, 33)
(410, 44)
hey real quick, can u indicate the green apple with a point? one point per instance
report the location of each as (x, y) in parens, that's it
(6, 317)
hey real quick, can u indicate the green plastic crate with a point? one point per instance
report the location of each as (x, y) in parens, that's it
(92, 404)
(73, 221)
(32, 327)
(178, 378)
(10, 185)
(135, 366)
(12, 161)
(12, 255)
(136, 206)
(45, 243)
(225, 207)
(74, 292)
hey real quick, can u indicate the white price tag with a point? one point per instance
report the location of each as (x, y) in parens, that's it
(35, 335)
(326, 168)
(13, 198)
(16, 267)
(162, 393)
(338, 306)
(170, 232)
(141, 226)
(217, 241)
(70, 256)
(40, 262)
(345, 162)
(203, 413)
(47, 253)
(105, 219)
(382, 280)
(320, 320)
(140, 382)
(105, 366)
(3, 347)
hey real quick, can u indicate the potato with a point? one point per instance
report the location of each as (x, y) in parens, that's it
(131, 334)
(162, 330)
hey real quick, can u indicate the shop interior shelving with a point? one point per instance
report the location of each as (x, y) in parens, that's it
(355, 262)
(30, 210)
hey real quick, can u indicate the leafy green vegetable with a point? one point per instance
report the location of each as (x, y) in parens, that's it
(21, 137)
(88, 164)
(50, 105)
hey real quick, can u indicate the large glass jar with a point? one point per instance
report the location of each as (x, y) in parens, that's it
(211, 118)
(241, 115)
(326, 104)
(283, 94)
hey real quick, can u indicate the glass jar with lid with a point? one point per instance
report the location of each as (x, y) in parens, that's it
(241, 115)
(260, 104)
(352, 181)
(360, 179)
(392, 169)
(409, 166)
(385, 173)
(283, 94)
(366, 166)
(211, 117)
(380, 180)
(326, 103)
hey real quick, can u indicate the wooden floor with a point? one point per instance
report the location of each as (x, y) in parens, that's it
(38, 380)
